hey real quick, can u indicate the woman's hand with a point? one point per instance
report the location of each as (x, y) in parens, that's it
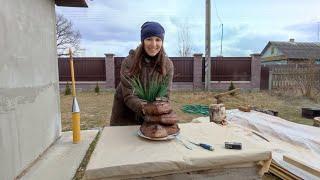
(156, 108)
(165, 119)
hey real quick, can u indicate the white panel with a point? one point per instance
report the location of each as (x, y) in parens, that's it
(29, 96)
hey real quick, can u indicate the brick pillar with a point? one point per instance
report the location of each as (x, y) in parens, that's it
(255, 71)
(197, 72)
(109, 63)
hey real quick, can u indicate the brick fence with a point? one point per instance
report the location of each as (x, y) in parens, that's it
(195, 83)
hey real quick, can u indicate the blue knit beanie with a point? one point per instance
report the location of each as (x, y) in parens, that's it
(149, 29)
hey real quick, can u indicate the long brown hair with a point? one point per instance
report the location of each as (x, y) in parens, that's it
(139, 56)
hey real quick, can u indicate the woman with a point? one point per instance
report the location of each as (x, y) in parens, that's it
(148, 61)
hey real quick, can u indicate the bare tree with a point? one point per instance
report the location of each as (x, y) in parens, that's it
(308, 82)
(184, 40)
(67, 36)
(303, 78)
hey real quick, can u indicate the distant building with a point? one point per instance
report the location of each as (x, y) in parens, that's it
(289, 52)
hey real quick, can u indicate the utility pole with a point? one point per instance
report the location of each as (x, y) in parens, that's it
(318, 31)
(221, 39)
(207, 46)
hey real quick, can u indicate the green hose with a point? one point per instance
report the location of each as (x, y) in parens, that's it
(196, 109)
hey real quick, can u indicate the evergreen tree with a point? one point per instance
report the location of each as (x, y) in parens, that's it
(232, 87)
(67, 91)
(97, 89)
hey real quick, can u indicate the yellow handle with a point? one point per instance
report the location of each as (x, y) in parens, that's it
(72, 74)
(76, 127)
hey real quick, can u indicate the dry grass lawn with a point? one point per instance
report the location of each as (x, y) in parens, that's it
(96, 109)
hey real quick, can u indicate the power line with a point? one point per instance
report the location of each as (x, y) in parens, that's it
(217, 14)
(221, 25)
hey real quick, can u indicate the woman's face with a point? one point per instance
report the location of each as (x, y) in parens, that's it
(152, 45)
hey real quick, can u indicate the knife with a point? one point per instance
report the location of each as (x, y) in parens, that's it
(184, 144)
(203, 145)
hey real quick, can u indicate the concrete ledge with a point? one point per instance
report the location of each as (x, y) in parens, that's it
(62, 160)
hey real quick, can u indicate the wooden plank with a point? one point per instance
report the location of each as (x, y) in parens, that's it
(282, 173)
(274, 58)
(308, 168)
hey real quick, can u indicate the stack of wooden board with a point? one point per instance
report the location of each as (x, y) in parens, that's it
(281, 172)
(295, 147)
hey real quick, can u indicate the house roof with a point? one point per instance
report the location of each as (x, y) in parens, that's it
(296, 50)
(71, 3)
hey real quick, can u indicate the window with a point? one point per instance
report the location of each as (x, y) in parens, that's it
(272, 50)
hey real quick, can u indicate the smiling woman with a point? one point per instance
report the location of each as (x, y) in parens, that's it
(147, 64)
(152, 45)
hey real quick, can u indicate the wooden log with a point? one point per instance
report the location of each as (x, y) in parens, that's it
(217, 113)
(220, 95)
(316, 122)
(244, 108)
(226, 93)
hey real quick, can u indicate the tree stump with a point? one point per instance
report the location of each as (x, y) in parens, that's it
(217, 113)
(316, 122)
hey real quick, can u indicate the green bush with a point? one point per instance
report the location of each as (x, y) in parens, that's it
(97, 89)
(231, 87)
(67, 91)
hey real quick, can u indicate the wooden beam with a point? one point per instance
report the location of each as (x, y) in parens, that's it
(308, 168)
(218, 96)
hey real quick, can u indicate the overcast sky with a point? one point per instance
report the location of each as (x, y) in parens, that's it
(113, 26)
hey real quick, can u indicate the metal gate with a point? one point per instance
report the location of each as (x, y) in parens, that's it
(264, 81)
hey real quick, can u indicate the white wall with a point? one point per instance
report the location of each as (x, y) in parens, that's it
(29, 98)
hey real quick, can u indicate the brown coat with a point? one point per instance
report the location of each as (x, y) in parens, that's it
(127, 107)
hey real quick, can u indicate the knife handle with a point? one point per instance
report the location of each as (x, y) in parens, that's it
(206, 146)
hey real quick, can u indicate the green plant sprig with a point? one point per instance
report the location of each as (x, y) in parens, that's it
(156, 88)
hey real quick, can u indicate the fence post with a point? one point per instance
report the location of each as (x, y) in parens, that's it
(109, 63)
(270, 80)
(197, 72)
(255, 71)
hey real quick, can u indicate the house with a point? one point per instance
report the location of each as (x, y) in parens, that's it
(281, 52)
(29, 86)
